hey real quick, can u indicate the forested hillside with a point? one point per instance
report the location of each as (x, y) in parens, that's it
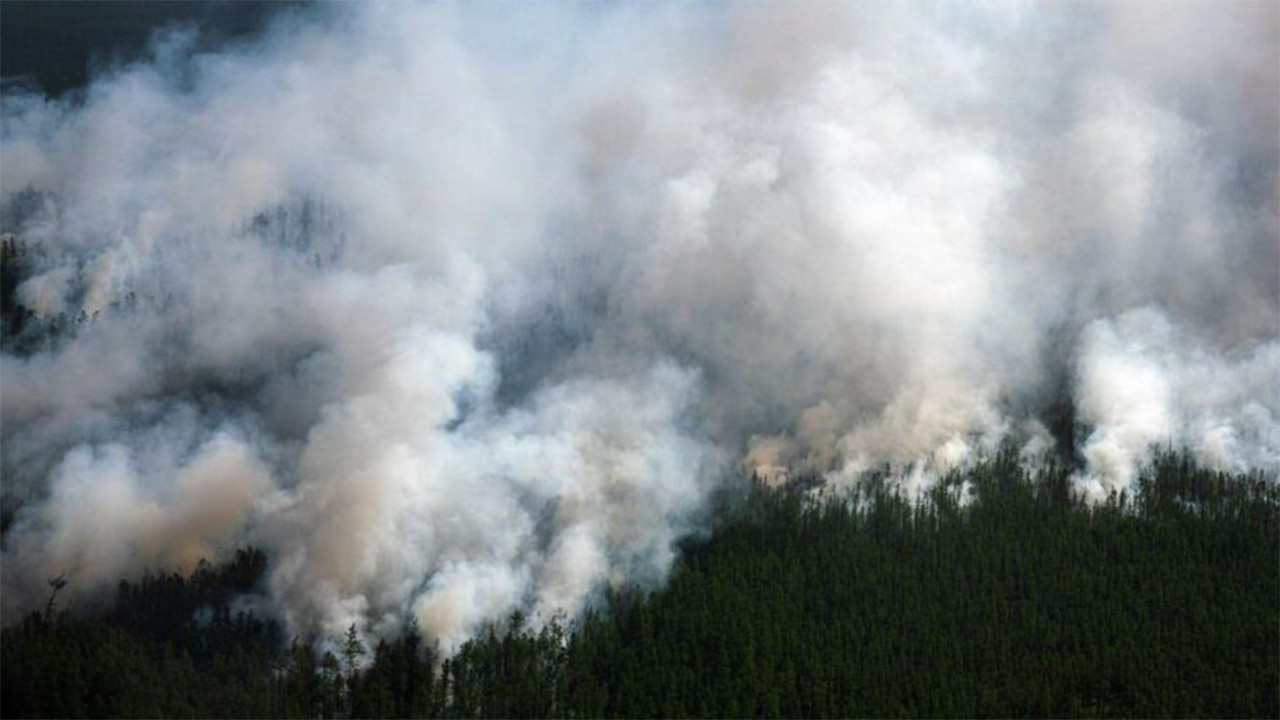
(997, 595)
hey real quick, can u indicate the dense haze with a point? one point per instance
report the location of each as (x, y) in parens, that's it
(457, 310)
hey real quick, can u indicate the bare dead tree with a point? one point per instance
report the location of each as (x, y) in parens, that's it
(57, 584)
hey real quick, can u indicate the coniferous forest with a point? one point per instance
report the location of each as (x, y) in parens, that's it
(997, 594)
(621, 359)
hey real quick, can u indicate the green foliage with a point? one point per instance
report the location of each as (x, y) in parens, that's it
(170, 647)
(998, 594)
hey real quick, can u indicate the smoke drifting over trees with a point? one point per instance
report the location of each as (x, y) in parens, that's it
(462, 310)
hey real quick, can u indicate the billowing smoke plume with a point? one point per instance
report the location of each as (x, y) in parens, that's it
(461, 310)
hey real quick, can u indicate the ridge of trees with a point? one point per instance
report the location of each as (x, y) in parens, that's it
(1012, 598)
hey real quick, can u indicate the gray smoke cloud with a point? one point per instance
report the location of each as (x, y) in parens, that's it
(462, 310)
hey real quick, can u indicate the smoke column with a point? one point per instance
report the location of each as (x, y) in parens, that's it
(462, 310)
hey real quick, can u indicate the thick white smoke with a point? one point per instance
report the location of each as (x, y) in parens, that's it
(458, 311)
(1142, 382)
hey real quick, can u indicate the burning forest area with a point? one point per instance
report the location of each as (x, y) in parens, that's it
(841, 359)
